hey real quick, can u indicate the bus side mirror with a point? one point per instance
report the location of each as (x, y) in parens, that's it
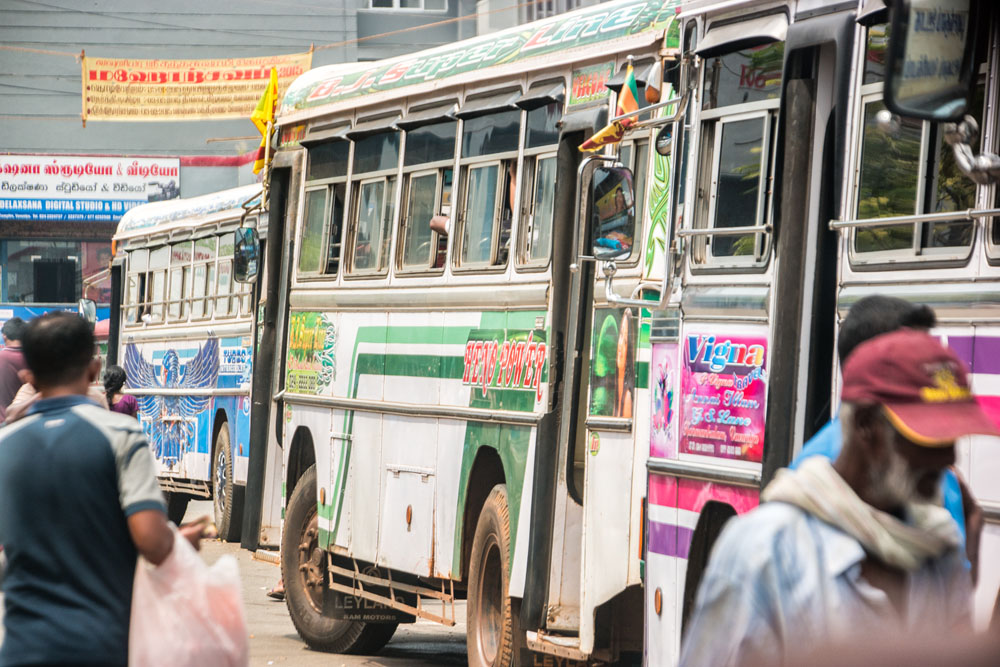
(929, 72)
(87, 310)
(611, 213)
(246, 255)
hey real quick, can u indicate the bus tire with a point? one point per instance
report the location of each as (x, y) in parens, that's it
(303, 568)
(223, 489)
(492, 628)
(177, 504)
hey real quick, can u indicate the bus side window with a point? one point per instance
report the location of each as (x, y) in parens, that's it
(180, 280)
(538, 180)
(376, 161)
(427, 174)
(135, 291)
(157, 281)
(489, 159)
(322, 226)
(738, 141)
(203, 284)
(223, 300)
(906, 168)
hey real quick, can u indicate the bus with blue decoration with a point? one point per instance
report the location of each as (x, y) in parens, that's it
(183, 330)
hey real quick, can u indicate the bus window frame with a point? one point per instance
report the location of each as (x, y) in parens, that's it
(927, 173)
(437, 170)
(210, 278)
(631, 144)
(526, 206)
(702, 257)
(314, 186)
(500, 161)
(180, 302)
(329, 183)
(384, 176)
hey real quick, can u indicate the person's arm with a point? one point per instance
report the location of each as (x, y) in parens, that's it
(23, 399)
(151, 534)
(974, 521)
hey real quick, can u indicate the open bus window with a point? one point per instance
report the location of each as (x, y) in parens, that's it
(540, 182)
(135, 290)
(376, 157)
(489, 160)
(906, 168)
(223, 301)
(428, 175)
(203, 283)
(334, 229)
(635, 156)
(311, 244)
(157, 281)
(180, 280)
(740, 104)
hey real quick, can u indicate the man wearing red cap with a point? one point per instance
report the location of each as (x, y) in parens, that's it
(860, 545)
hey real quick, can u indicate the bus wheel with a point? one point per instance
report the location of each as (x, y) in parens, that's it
(177, 504)
(223, 496)
(303, 567)
(492, 628)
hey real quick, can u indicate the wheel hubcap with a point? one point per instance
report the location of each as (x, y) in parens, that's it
(220, 483)
(311, 563)
(490, 607)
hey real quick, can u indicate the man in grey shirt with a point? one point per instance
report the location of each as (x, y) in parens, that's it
(78, 501)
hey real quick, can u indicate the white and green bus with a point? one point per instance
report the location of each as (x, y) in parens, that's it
(454, 415)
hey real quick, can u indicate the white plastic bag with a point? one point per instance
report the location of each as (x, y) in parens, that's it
(187, 614)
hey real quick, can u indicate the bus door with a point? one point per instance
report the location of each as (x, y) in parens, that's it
(749, 377)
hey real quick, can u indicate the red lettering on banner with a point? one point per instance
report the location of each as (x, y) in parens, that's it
(538, 40)
(468, 362)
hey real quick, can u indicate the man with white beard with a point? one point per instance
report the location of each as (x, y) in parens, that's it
(842, 550)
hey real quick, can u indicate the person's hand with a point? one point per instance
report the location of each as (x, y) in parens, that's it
(197, 530)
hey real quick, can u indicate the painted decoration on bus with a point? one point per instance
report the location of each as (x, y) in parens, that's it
(663, 381)
(170, 421)
(612, 368)
(587, 84)
(312, 361)
(498, 359)
(558, 34)
(723, 389)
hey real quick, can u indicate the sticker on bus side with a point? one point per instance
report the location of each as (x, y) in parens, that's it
(723, 390)
(505, 359)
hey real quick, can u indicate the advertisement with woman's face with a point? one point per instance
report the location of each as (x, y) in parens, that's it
(612, 369)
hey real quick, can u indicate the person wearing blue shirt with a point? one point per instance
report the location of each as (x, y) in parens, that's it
(869, 317)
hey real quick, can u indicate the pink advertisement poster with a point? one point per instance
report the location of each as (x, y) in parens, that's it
(664, 382)
(723, 389)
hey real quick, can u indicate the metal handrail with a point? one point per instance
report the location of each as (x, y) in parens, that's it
(946, 217)
(726, 231)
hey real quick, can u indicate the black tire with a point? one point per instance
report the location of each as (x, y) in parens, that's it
(177, 504)
(309, 600)
(223, 489)
(492, 628)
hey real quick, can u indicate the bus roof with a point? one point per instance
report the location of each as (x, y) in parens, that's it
(557, 34)
(193, 211)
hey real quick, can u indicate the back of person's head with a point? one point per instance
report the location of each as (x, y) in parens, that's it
(876, 315)
(58, 347)
(13, 329)
(114, 380)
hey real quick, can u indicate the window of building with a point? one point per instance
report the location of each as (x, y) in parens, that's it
(373, 192)
(489, 168)
(740, 105)
(47, 271)
(906, 168)
(427, 175)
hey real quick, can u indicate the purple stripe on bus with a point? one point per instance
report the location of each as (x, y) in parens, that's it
(986, 357)
(669, 540)
(962, 346)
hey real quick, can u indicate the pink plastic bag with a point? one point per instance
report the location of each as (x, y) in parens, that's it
(187, 614)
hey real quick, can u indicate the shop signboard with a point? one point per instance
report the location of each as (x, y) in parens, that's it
(82, 188)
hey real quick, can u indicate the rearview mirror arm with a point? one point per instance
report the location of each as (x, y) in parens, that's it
(983, 168)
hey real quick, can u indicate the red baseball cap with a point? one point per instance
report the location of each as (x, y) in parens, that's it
(920, 384)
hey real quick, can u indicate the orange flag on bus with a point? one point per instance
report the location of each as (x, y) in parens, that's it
(613, 132)
(262, 115)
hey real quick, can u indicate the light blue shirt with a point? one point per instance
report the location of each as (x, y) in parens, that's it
(781, 580)
(828, 441)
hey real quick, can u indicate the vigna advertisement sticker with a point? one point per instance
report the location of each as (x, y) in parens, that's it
(723, 389)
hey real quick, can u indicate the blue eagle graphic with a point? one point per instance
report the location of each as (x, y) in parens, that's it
(171, 431)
